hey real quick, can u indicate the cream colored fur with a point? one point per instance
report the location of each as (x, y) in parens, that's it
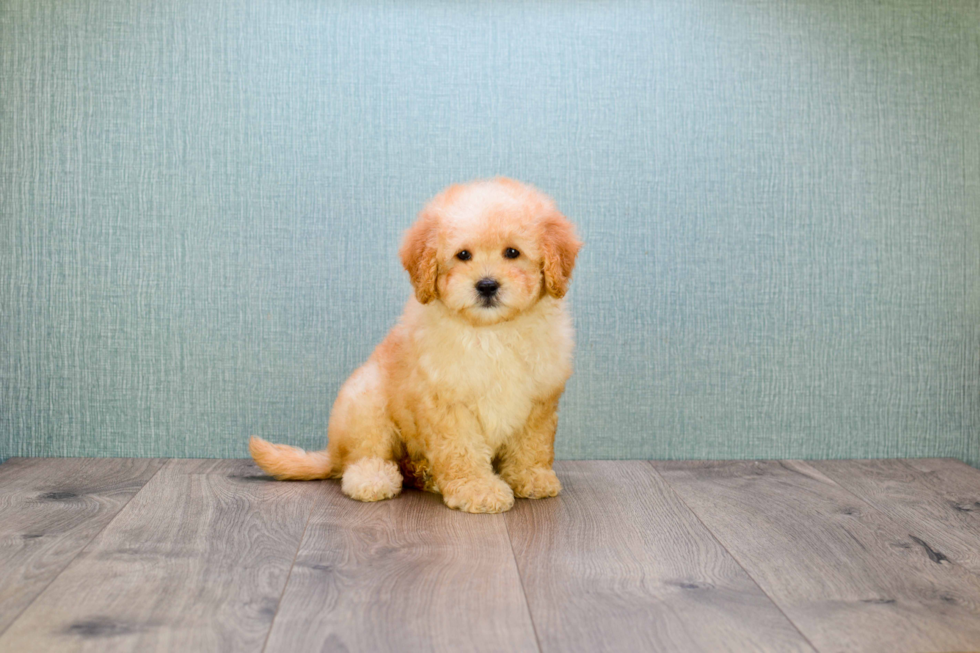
(461, 397)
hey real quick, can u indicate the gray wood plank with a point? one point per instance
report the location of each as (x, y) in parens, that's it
(50, 509)
(946, 466)
(954, 480)
(941, 507)
(402, 575)
(197, 561)
(848, 576)
(618, 563)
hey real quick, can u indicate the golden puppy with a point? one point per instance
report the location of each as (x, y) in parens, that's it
(462, 395)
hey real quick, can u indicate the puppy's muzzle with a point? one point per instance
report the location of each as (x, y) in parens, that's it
(487, 287)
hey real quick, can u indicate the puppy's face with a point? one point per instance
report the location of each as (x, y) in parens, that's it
(490, 250)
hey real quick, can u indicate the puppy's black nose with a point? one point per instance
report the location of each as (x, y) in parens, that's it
(487, 286)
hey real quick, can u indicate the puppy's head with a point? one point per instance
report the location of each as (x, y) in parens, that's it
(489, 250)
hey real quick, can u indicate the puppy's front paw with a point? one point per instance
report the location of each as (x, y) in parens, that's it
(535, 483)
(480, 495)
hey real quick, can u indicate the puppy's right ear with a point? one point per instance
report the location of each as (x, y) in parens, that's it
(418, 253)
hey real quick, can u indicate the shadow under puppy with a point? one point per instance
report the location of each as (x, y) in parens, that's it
(461, 397)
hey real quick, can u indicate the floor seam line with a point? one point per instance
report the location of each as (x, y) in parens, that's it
(520, 580)
(87, 544)
(289, 574)
(717, 539)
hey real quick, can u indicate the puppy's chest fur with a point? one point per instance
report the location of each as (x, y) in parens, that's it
(497, 373)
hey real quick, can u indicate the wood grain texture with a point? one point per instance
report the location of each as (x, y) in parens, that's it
(849, 577)
(402, 575)
(196, 561)
(50, 509)
(940, 506)
(618, 563)
(955, 480)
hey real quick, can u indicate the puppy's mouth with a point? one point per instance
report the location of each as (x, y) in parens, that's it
(488, 302)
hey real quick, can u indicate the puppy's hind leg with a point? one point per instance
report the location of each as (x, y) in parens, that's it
(364, 437)
(372, 479)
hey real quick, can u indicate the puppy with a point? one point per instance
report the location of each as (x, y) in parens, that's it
(461, 397)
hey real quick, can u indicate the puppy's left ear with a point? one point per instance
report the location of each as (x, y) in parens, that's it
(560, 246)
(418, 254)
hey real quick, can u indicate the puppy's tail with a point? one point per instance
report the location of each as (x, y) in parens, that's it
(288, 463)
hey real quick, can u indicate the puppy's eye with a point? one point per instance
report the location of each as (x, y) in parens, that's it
(510, 252)
(464, 255)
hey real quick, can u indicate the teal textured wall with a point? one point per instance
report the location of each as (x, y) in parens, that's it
(201, 202)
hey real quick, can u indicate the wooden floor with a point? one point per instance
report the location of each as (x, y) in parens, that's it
(210, 555)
